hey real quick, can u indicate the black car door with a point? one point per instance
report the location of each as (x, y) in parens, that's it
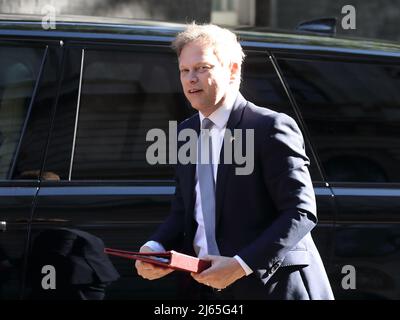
(28, 73)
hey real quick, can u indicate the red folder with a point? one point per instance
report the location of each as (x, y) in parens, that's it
(168, 259)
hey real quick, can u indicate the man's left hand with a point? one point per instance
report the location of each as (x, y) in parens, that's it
(223, 272)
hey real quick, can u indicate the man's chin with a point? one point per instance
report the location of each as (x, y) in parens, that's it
(198, 106)
(205, 109)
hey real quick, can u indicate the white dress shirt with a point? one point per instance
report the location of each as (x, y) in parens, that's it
(220, 119)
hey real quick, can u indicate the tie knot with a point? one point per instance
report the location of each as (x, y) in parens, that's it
(207, 124)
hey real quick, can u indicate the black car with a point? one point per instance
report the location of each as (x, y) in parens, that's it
(77, 101)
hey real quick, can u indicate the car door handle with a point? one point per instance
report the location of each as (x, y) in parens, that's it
(3, 226)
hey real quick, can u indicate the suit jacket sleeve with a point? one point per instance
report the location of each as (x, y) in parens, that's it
(285, 174)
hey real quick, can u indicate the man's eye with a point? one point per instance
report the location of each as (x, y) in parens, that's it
(204, 68)
(184, 70)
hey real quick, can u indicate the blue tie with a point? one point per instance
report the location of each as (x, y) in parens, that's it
(207, 185)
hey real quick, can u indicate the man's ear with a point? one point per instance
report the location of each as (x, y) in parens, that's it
(235, 71)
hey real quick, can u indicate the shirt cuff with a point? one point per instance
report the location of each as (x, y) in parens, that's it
(155, 246)
(243, 264)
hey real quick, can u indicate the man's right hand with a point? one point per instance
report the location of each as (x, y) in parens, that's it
(150, 271)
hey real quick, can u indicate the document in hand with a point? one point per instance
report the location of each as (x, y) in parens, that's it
(168, 259)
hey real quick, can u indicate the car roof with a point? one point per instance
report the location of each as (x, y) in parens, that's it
(87, 27)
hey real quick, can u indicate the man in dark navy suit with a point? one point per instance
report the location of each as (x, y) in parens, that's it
(254, 227)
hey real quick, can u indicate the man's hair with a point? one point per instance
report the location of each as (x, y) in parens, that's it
(225, 43)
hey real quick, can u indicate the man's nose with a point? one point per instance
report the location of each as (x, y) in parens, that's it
(193, 77)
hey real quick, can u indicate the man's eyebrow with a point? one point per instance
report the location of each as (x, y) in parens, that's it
(204, 63)
(182, 66)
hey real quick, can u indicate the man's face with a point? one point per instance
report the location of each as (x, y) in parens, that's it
(205, 81)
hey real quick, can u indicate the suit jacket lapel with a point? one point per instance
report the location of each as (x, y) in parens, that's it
(189, 171)
(223, 169)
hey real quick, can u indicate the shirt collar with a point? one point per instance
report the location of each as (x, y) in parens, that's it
(220, 116)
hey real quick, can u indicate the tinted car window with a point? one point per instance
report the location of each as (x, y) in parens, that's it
(61, 142)
(123, 96)
(262, 86)
(34, 141)
(352, 110)
(19, 69)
